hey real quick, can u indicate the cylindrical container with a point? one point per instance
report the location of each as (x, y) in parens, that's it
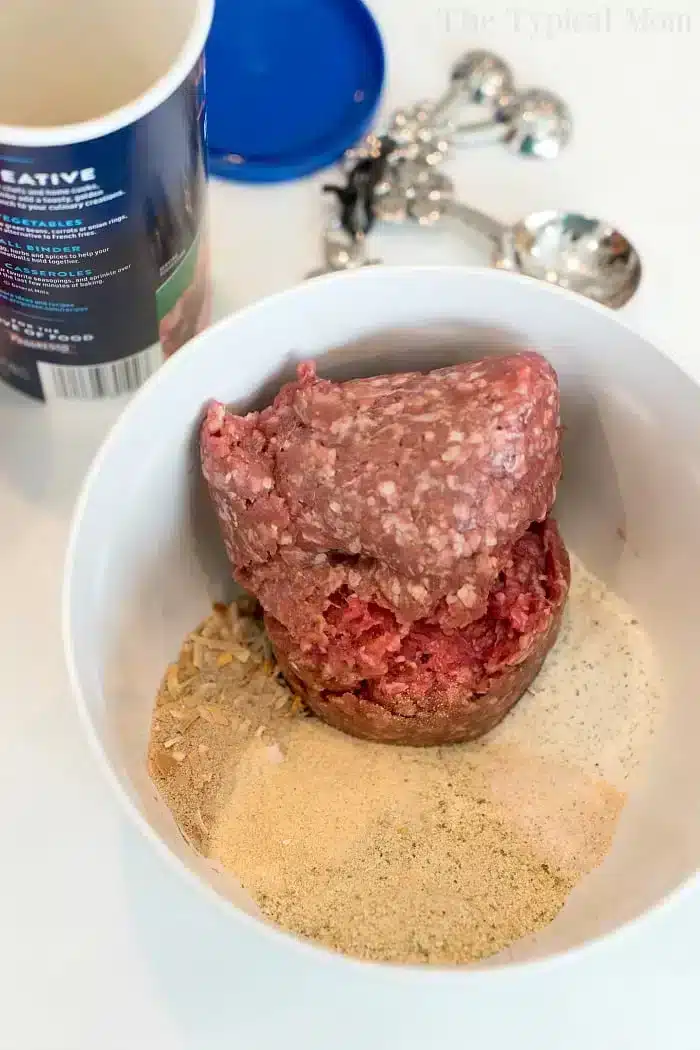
(103, 254)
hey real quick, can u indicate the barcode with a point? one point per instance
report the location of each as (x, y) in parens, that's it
(91, 382)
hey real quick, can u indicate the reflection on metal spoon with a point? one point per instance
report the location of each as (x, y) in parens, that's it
(538, 124)
(535, 123)
(478, 78)
(584, 254)
(587, 255)
(532, 123)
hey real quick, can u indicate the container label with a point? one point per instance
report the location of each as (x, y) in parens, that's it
(103, 253)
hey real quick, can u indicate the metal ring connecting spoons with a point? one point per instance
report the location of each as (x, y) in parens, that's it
(585, 255)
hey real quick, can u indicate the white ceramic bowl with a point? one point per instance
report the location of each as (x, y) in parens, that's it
(145, 560)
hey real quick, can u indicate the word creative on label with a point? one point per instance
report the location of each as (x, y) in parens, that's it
(46, 178)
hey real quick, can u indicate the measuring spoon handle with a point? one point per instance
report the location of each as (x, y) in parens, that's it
(477, 133)
(477, 220)
(480, 133)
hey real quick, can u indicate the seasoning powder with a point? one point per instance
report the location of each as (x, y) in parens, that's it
(439, 855)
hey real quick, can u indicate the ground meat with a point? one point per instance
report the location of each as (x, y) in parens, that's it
(381, 525)
(424, 686)
(408, 489)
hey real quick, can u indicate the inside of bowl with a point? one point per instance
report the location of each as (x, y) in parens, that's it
(629, 504)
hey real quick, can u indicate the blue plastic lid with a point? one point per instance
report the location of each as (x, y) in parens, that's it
(291, 84)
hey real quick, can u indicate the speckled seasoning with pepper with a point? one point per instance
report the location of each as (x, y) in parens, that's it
(438, 855)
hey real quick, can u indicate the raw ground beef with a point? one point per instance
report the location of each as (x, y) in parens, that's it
(385, 527)
(435, 687)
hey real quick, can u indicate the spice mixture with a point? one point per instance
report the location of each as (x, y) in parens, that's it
(439, 855)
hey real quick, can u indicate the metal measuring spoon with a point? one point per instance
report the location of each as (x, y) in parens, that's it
(535, 123)
(532, 123)
(478, 78)
(425, 130)
(585, 255)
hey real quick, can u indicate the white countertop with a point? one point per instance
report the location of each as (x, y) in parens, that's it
(101, 947)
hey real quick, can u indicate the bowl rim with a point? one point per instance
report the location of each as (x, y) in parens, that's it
(477, 973)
